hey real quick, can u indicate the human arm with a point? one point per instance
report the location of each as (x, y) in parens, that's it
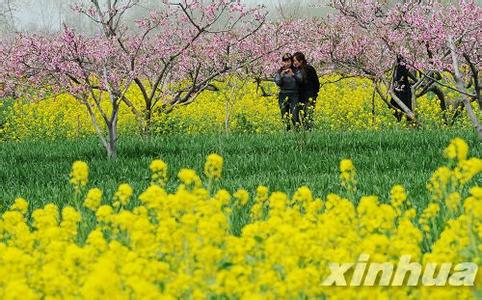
(278, 79)
(299, 76)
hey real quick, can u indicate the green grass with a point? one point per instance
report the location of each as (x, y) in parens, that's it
(39, 170)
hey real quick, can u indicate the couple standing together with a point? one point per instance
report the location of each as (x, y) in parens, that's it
(299, 86)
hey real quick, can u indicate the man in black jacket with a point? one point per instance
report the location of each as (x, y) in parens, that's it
(401, 88)
(309, 88)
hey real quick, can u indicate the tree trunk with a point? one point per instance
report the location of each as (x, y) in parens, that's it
(112, 127)
(99, 131)
(461, 87)
(147, 120)
(226, 118)
(373, 105)
(475, 77)
(111, 146)
(402, 105)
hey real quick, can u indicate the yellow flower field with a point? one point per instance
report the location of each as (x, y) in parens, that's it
(181, 245)
(237, 107)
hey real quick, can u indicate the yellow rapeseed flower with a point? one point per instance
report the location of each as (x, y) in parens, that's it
(213, 166)
(189, 177)
(453, 201)
(93, 199)
(123, 194)
(104, 213)
(347, 175)
(20, 204)
(79, 175)
(242, 196)
(457, 150)
(262, 193)
(159, 172)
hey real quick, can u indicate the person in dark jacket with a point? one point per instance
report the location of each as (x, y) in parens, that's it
(401, 88)
(308, 90)
(289, 80)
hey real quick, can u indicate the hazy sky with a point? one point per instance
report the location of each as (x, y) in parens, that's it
(48, 15)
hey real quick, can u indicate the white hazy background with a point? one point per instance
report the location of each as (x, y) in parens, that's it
(49, 15)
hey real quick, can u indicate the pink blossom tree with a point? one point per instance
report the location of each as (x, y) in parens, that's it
(170, 56)
(446, 49)
(366, 37)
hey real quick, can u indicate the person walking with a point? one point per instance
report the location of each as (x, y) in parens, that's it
(308, 90)
(289, 80)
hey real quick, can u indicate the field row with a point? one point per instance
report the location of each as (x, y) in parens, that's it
(237, 107)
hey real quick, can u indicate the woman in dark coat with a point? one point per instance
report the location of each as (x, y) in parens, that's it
(289, 80)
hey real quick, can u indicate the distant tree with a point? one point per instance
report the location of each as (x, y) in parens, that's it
(171, 55)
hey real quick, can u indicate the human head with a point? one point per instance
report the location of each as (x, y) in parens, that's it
(287, 60)
(299, 59)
